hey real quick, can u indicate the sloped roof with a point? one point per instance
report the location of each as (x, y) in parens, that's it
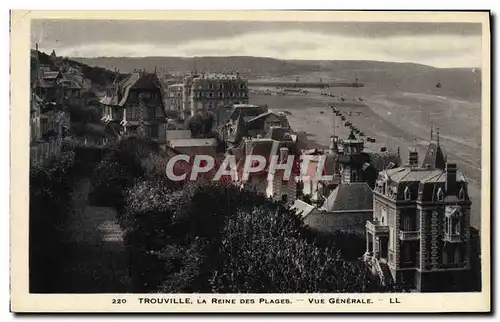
(248, 111)
(434, 156)
(380, 160)
(41, 83)
(302, 208)
(69, 81)
(50, 75)
(279, 133)
(263, 115)
(178, 134)
(266, 148)
(118, 92)
(176, 143)
(424, 175)
(349, 196)
(314, 165)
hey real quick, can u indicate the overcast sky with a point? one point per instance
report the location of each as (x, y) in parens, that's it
(434, 44)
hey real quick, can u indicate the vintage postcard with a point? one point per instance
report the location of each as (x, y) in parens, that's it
(250, 161)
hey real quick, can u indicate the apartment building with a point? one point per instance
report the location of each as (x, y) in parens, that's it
(420, 232)
(207, 91)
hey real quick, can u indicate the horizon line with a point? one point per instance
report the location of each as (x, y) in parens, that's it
(273, 58)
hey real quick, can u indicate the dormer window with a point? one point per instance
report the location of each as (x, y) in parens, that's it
(407, 193)
(461, 194)
(394, 192)
(440, 195)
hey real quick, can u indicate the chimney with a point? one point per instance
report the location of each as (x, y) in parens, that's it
(333, 144)
(413, 158)
(413, 155)
(248, 146)
(451, 179)
(283, 154)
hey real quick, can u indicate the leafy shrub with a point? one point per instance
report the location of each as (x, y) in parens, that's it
(118, 171)
(215, 237)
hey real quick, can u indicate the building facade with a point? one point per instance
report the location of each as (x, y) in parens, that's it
(174, 97)
(420, 232)
(208, 91)
(281, 187)
(136, 104)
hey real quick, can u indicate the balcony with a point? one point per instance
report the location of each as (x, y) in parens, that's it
(409, 235)
(375, 227)
(452, 238)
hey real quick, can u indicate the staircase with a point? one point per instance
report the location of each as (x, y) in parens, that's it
(383, 271)
(386, 272)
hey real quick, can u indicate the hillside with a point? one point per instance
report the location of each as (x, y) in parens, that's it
(99, 76)
(380, 77)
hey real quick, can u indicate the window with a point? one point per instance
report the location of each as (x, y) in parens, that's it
(407, 253)
(455, 226)
(220, 94)
(392, 238)
(445, 255)
(154, 131)
(151, 113)
(211, 94)
(440, 195)
(457, 256)
(461, 194)
(242, 86)
(284, 198)
(407, 193)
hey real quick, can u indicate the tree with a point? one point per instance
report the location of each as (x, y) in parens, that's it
(118, 170)
(201, 124)
(215, 237)
(50, 202)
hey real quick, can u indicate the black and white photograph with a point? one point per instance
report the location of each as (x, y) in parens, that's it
(256, 157)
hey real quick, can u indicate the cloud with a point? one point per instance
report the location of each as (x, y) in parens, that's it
(434, 50)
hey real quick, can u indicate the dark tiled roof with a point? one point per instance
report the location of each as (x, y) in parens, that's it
(41, 83)
(350, 196)
(424, 175)
(265, 148)
(118, 93)
(68, 81)
(381, 160)
(178, 134)
(263, 115)
(176, 143)
(434, 156)
(279, 134)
